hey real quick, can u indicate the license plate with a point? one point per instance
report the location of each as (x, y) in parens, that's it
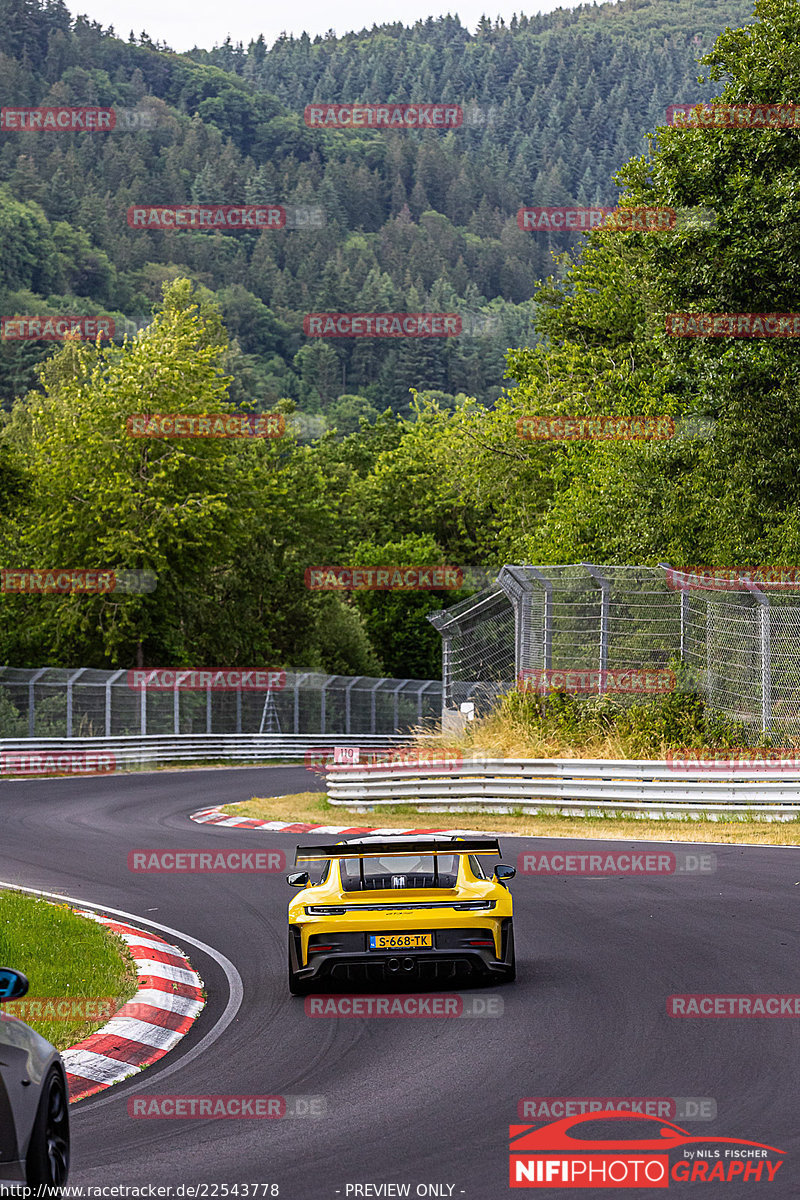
(400, 941)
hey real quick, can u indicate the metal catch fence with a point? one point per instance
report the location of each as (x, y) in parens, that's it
(738, 643)
(55, 702)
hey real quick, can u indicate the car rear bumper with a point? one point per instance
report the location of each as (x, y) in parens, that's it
(449, 958)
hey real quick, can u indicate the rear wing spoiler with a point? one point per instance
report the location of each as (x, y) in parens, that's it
(396, 848)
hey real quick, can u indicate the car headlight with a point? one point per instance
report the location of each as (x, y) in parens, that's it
(321, 910)
(475, 904)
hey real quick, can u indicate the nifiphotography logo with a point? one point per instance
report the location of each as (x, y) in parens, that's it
(630, 1150)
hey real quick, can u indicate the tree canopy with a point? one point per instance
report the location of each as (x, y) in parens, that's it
(370, 472)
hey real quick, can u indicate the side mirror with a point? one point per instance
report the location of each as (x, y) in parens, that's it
(298, 879)
(502, 872)
(13, 985)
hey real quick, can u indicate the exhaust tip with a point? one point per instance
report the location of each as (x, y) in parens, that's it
(408, 964)
(393, 964)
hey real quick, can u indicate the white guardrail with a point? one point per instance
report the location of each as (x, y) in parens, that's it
(574, 787)
(92, 755)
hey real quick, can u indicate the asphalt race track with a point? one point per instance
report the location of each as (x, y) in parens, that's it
(421, 1101)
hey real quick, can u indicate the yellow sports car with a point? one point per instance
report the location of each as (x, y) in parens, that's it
(390, 908)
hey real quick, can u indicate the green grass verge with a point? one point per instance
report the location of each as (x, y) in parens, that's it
(82, 970)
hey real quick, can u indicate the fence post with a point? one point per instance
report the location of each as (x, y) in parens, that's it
(112, 679)
(447, 672)
(766, 667)
(420, 694)
(347, 692)
(32, 700)
(143, 710)
(522, 623)
(709, 651)
(373, 707)
(684, 622)
(547, 645)
(70, 682)
(605, 590)
(516, 583)
(298, 679)
(397, 692)
(671, 573)
(766, 653)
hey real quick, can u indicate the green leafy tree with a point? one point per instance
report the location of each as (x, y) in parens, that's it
(101, 498)
(406, 642)
(731, 497)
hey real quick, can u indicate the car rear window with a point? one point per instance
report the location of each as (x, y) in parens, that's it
(410, 871)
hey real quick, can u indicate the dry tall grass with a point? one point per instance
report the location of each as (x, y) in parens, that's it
(500, 736)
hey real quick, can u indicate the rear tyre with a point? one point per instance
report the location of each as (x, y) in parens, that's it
(297, 987)
(47, 1162)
